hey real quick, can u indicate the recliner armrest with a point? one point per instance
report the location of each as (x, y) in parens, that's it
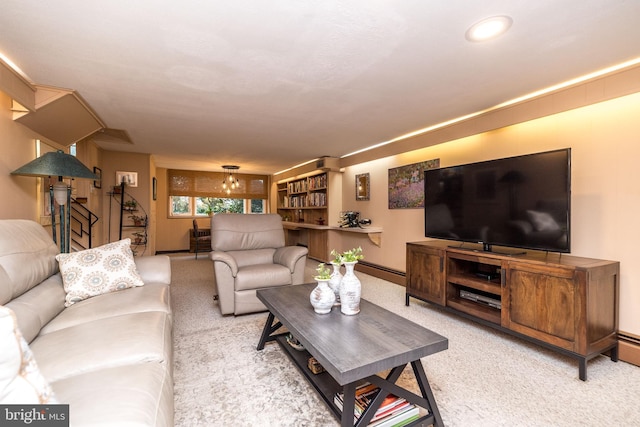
(218, 256)
(289, 255)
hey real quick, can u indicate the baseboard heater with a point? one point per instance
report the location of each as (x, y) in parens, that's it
(629, 348)
(623, 336)
(381, 272)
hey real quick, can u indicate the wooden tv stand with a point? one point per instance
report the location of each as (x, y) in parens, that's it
(566, 303)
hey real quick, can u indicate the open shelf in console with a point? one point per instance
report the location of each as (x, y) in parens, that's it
(474, 286)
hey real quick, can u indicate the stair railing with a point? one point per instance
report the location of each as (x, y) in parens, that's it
(82, 222)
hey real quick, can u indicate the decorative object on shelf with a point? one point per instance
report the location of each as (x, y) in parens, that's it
(362, 186)
(229, 182)
(322, 297)
(406, 184)
(130, 205)
(138, 238)
(336, 275)
(350, 287)
(129, 178)
(61, 165)
(315, 366)
(138, 221)
(349, 219)
(293, 342)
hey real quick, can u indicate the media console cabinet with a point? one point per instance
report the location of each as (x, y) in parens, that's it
(566, 303)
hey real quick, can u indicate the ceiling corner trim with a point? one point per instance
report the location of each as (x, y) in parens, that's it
(17, 87)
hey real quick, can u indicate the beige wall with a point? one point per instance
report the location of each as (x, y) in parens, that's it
(18, 148)
(113, 161)
(605, 187)
(173, 233)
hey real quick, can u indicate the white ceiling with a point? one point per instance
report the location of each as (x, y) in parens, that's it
(270, 84)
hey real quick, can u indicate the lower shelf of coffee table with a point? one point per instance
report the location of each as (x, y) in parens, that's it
(324, 384)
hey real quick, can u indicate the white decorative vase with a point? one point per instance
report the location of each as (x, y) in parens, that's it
(350, 291)
(322, 297)
(334, 282)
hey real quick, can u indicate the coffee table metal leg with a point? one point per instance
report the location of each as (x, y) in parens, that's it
(348, 404)
(426, 400)
(423, 383)
(269, 328)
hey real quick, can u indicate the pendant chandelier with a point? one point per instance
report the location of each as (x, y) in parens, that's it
(230, 182)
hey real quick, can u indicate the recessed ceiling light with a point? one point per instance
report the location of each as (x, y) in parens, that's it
(488, 28)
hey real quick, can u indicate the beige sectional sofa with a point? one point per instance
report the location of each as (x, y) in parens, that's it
(108, 356)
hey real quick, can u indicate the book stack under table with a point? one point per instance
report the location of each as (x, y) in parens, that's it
(393, 412)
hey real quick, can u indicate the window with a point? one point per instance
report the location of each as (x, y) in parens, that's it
(207, 205)
(180, 205)
(201, 206)
(257, 205)
(194, 193)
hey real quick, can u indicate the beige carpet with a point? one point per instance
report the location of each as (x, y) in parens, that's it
(485, 378)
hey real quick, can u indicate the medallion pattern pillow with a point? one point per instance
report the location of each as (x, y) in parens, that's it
(20, 379)
(97, 271)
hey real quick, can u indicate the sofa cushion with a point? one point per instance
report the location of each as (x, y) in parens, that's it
(97, 271)
(20, 378)
(257, 256)
(262, 276)
(139, 394)
(244, 232)
(36, 307)
(105, 343)
(24, 243)
(151, 297)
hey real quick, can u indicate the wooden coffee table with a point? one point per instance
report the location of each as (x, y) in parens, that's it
(352, 350)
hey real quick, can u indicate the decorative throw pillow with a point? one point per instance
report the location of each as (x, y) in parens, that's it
(20, 379)
(98, 271)
(542, 221)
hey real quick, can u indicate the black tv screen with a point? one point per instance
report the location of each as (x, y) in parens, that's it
(522, 202)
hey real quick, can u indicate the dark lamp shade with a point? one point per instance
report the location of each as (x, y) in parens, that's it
(56, 164)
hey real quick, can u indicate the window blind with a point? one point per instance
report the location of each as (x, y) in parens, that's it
(209, 184)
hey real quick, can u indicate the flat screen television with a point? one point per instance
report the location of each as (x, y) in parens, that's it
(520, 202)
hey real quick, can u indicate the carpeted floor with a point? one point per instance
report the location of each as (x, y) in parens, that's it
(485, 378)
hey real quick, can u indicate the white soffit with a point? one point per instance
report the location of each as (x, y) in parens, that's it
(61, 116)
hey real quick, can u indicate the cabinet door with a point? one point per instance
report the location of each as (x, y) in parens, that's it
(425, 273)
(318, 245)
(542, 302)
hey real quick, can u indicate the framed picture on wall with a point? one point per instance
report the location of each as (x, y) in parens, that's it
(406, 184)
(154, 185)
(98, 172)
(129, 178)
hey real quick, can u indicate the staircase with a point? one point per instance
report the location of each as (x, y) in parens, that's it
(82, 222)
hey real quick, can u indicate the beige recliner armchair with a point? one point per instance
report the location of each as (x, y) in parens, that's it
(249, 253)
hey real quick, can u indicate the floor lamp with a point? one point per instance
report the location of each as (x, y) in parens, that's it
(63, 166)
